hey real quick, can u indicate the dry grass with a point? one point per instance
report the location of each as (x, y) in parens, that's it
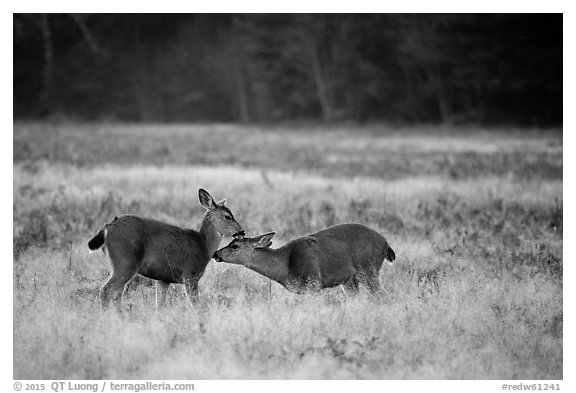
(475, 219)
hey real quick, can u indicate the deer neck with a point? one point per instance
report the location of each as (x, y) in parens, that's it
(270, 263)
(209, 232)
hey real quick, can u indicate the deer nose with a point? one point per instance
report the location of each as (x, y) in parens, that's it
(239, 234)
(216, 257)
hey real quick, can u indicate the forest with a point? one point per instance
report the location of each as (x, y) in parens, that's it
(484, 69)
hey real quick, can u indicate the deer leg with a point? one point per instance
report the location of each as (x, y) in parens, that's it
(351, 286)
(370, 277)
(161, 291)
(373, 284)
(113, 291)
(191, 288)
(114, 287)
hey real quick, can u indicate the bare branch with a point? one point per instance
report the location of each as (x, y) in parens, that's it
(94, 47)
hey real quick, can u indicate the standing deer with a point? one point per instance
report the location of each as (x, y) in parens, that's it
(163, 252)
(345, 254)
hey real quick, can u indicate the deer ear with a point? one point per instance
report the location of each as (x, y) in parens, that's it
(222, 202)
(206, 199)
(264, 241)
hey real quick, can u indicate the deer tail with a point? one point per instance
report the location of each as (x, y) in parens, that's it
(98, 240)
(390, 255)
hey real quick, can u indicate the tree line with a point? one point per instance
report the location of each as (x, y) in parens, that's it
(470, 68)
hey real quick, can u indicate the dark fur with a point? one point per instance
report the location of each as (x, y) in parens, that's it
(97, 241)
(390, 255)
(154, 249)
(346, 254)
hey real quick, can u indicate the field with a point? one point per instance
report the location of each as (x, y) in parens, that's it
(475, 217)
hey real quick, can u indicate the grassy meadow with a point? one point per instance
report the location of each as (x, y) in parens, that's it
(475, 217)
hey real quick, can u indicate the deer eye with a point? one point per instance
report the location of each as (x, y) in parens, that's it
(234, 246)
(227, 217)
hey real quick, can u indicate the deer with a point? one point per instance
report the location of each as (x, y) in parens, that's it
(345, 254)
(162, 252)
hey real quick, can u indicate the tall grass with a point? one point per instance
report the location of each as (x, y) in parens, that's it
(475, 292)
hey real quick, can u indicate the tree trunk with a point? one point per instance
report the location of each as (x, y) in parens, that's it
(241, 88)
(142, 80)
(440, 95)
(319, 76)
(48, 70)
(88, 37)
